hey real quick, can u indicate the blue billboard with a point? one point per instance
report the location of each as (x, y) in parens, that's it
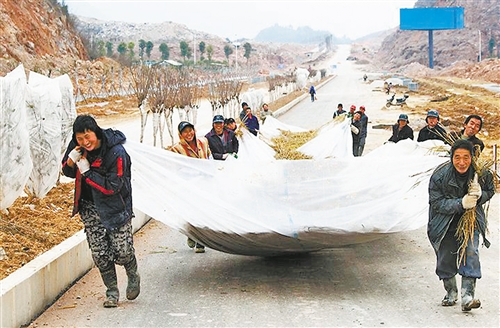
(446, 18)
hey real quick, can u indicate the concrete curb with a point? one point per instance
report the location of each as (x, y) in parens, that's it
(31, 289)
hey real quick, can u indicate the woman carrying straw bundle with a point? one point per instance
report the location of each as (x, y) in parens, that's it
(457, 191)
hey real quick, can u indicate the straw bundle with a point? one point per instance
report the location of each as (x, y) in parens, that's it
(467, 223)
(287, 143)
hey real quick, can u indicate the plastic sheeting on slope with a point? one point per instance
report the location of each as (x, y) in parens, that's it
(333, 140)
(271, 128)
(273, 207)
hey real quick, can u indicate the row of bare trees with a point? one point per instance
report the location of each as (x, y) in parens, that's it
(161, 90)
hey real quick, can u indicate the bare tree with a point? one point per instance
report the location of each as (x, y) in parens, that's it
(143, 78)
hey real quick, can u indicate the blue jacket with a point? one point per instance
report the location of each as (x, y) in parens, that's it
(109, 179)
(252, 124)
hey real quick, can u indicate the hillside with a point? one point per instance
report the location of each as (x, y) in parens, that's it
(480, 17)
(39, 35)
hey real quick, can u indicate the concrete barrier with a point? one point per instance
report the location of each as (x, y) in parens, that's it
(31, 289)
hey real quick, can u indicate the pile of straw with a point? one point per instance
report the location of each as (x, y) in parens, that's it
(287, 143)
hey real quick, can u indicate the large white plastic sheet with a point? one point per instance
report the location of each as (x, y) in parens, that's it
(269, 207)
(334, 140)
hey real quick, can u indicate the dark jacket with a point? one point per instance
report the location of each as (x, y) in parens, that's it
(338, 113)
(109, 180)
(228, 144)
(445, 201)
(405, 133)
(436, 133)
(356, 137)
(475, 140)
(364, 126)
(252, 124)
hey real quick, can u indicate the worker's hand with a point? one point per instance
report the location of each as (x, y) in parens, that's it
(83, 165)
(75, 155)
(234, 155)
(354, 129)
(224, 156)
(475, 188)
(469, 201)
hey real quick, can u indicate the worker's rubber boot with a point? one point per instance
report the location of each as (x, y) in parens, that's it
(112, 293)
(450, 285)
(134, 280)
(468, 300)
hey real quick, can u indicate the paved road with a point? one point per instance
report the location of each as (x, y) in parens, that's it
(386, 283)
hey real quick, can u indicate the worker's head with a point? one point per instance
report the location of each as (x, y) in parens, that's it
(432, 118)
(472, 125)
(462, 151)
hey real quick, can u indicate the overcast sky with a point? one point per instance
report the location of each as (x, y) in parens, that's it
(244, 19)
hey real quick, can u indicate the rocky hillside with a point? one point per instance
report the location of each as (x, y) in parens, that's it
(481, 17)
(38, 34)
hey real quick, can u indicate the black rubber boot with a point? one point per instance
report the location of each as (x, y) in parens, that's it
(450, 285)
(468, 300)
(134, 280)
(112, 293)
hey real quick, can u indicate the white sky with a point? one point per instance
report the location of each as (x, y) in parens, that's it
(244, 19)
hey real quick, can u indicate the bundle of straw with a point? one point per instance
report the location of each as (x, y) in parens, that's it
(467, 223)
(286, 144)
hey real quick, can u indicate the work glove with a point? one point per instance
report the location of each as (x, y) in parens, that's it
(475, 188)
(75, 155)
(469, 201)
(83, 165)
(224, 156)
(354, 129)
(234, 155)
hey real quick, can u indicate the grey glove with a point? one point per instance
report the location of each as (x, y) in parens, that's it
(475, 188)
(469, 201)
(75, 155)
(83, 165)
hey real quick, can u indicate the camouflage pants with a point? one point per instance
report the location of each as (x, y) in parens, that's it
(107, 247)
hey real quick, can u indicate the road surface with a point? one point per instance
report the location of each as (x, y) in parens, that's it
(386, 283)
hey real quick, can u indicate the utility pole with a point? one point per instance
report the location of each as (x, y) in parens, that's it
(479, 57)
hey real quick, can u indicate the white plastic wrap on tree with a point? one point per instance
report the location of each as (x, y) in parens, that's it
(255, 98)
(15, 161)
(301, 76)
(68, 110)
(43, 112)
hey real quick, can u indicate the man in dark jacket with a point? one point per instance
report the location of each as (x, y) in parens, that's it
(251, 122)
(401, 130)
(222, 141)
(472, 125)
(433, 130)
(340, 110)
(356, 132)
(454, 188)
(364, 130)
(101, 166)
